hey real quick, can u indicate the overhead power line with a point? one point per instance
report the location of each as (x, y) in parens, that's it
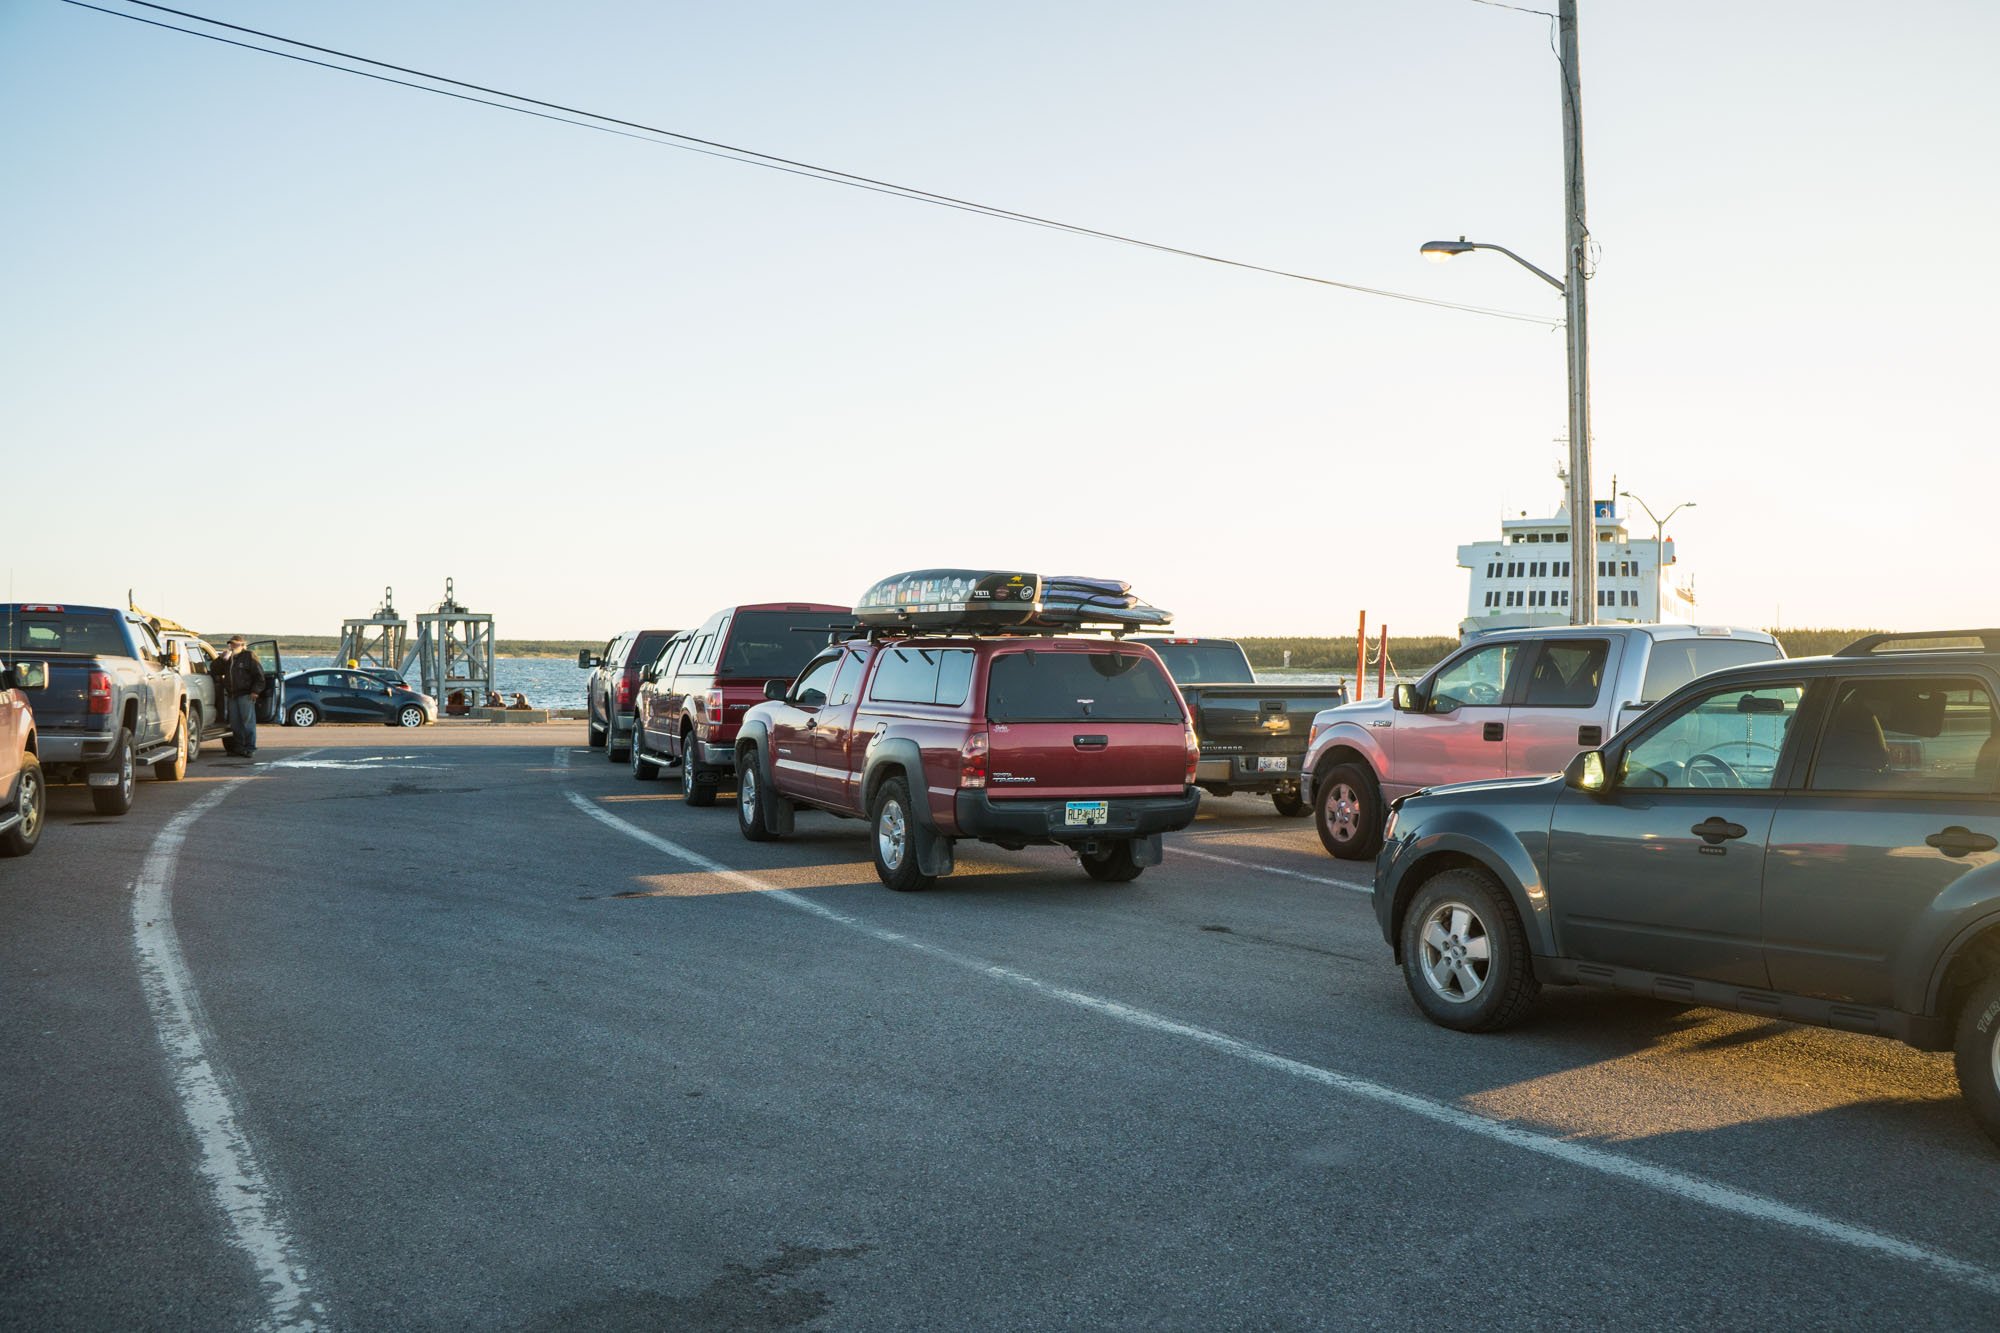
(665, 138)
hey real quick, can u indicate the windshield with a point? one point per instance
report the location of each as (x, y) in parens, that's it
(778, 644)
(1108, 686)
(95, 633)
(1675, 662)
(1216, 662)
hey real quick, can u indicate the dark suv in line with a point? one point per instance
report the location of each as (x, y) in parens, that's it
(614, 685)
(1815, 840)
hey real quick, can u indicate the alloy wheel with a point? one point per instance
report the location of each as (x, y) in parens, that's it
(126, 777)
(688, 783)
(746, 794)
(1457, 953)
(30, 806)
(413, 716)
(892, 835)
(1343, 812)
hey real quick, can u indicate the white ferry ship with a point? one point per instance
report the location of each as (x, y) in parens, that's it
(1523, 578)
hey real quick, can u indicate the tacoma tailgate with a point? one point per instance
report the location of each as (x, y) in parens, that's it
(1085, 721)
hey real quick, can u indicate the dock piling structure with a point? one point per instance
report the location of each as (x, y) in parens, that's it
(454, 654)
(379, 640)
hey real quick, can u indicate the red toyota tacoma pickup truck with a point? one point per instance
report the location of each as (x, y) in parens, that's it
(1010, 740)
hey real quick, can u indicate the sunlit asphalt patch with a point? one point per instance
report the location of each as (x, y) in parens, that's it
(1677, 1184)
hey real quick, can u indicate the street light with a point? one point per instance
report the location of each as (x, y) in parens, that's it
(1440, 251)
(1659, 524)
(1576, 239)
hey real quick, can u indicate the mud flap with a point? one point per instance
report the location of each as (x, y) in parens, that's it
(933, 850)
(778, 812)
(1147, 851)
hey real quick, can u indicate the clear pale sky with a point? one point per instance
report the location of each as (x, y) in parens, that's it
(273, 337)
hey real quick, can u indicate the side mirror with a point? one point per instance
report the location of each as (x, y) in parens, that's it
(1586, 773)
(25, 676)
(1405, 699)
(649, 675)
(584, 658)
(777, 689)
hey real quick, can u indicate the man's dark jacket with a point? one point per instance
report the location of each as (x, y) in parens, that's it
(239, 673)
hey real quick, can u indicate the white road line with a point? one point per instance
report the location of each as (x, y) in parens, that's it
(255, 1222)
(1709, 1193)
(1182, 849)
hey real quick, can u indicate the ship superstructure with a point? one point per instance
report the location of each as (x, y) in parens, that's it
(1523, 579)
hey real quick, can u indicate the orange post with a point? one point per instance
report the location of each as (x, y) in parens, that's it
(1360, 655)
(1382, 667)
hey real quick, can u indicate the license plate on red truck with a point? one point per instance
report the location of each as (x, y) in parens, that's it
(1086, 812)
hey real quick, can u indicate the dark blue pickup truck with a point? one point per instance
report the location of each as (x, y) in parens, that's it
(114, 699)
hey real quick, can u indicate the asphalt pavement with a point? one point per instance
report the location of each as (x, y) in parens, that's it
(468, 1029)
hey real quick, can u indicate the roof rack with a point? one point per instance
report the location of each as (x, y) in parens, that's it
(1869, 645)
(980, 601)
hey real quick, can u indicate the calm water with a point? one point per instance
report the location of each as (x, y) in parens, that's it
(555, 682)
(549, 682)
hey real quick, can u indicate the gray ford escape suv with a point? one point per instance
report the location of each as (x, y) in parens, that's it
(1817, 840)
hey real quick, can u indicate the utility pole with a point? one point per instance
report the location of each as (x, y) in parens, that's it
(1576, 236)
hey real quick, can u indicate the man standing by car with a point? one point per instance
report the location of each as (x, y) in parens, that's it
(240, 676)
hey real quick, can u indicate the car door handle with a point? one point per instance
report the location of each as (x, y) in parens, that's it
(812, 724)
(1715, 830)
(1960, 841)
(1495, 731)
(1590, 737)
(1091, 742)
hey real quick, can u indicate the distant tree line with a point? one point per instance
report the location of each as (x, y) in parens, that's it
(1421, 652)
(324, 645)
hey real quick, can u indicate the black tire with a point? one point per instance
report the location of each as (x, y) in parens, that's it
(411, 716)
(1290, 804)
(894, 831)
(1347, 811)
(1976, 1054)
(694, 791)
(194, 732)
(750, 799)
(117, 800)
(1112, 865)
(1473, 973)
(302, 715)
(643, 769)
(175, 768)
(31, 802)
(613, 751)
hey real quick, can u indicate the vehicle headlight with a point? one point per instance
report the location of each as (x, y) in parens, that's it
(1389, 829)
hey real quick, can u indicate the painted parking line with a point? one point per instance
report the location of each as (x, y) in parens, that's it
(1678, 1184)
(1181, 849)
(254, 1220)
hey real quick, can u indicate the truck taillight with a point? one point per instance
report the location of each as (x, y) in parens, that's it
(972, 761)
(716, 709)
(100, 693)
(624, 691)
(1193, 757)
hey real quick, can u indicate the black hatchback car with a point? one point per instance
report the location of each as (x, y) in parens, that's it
(339, 695)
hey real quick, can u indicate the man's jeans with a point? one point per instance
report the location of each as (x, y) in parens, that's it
(243, 723)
